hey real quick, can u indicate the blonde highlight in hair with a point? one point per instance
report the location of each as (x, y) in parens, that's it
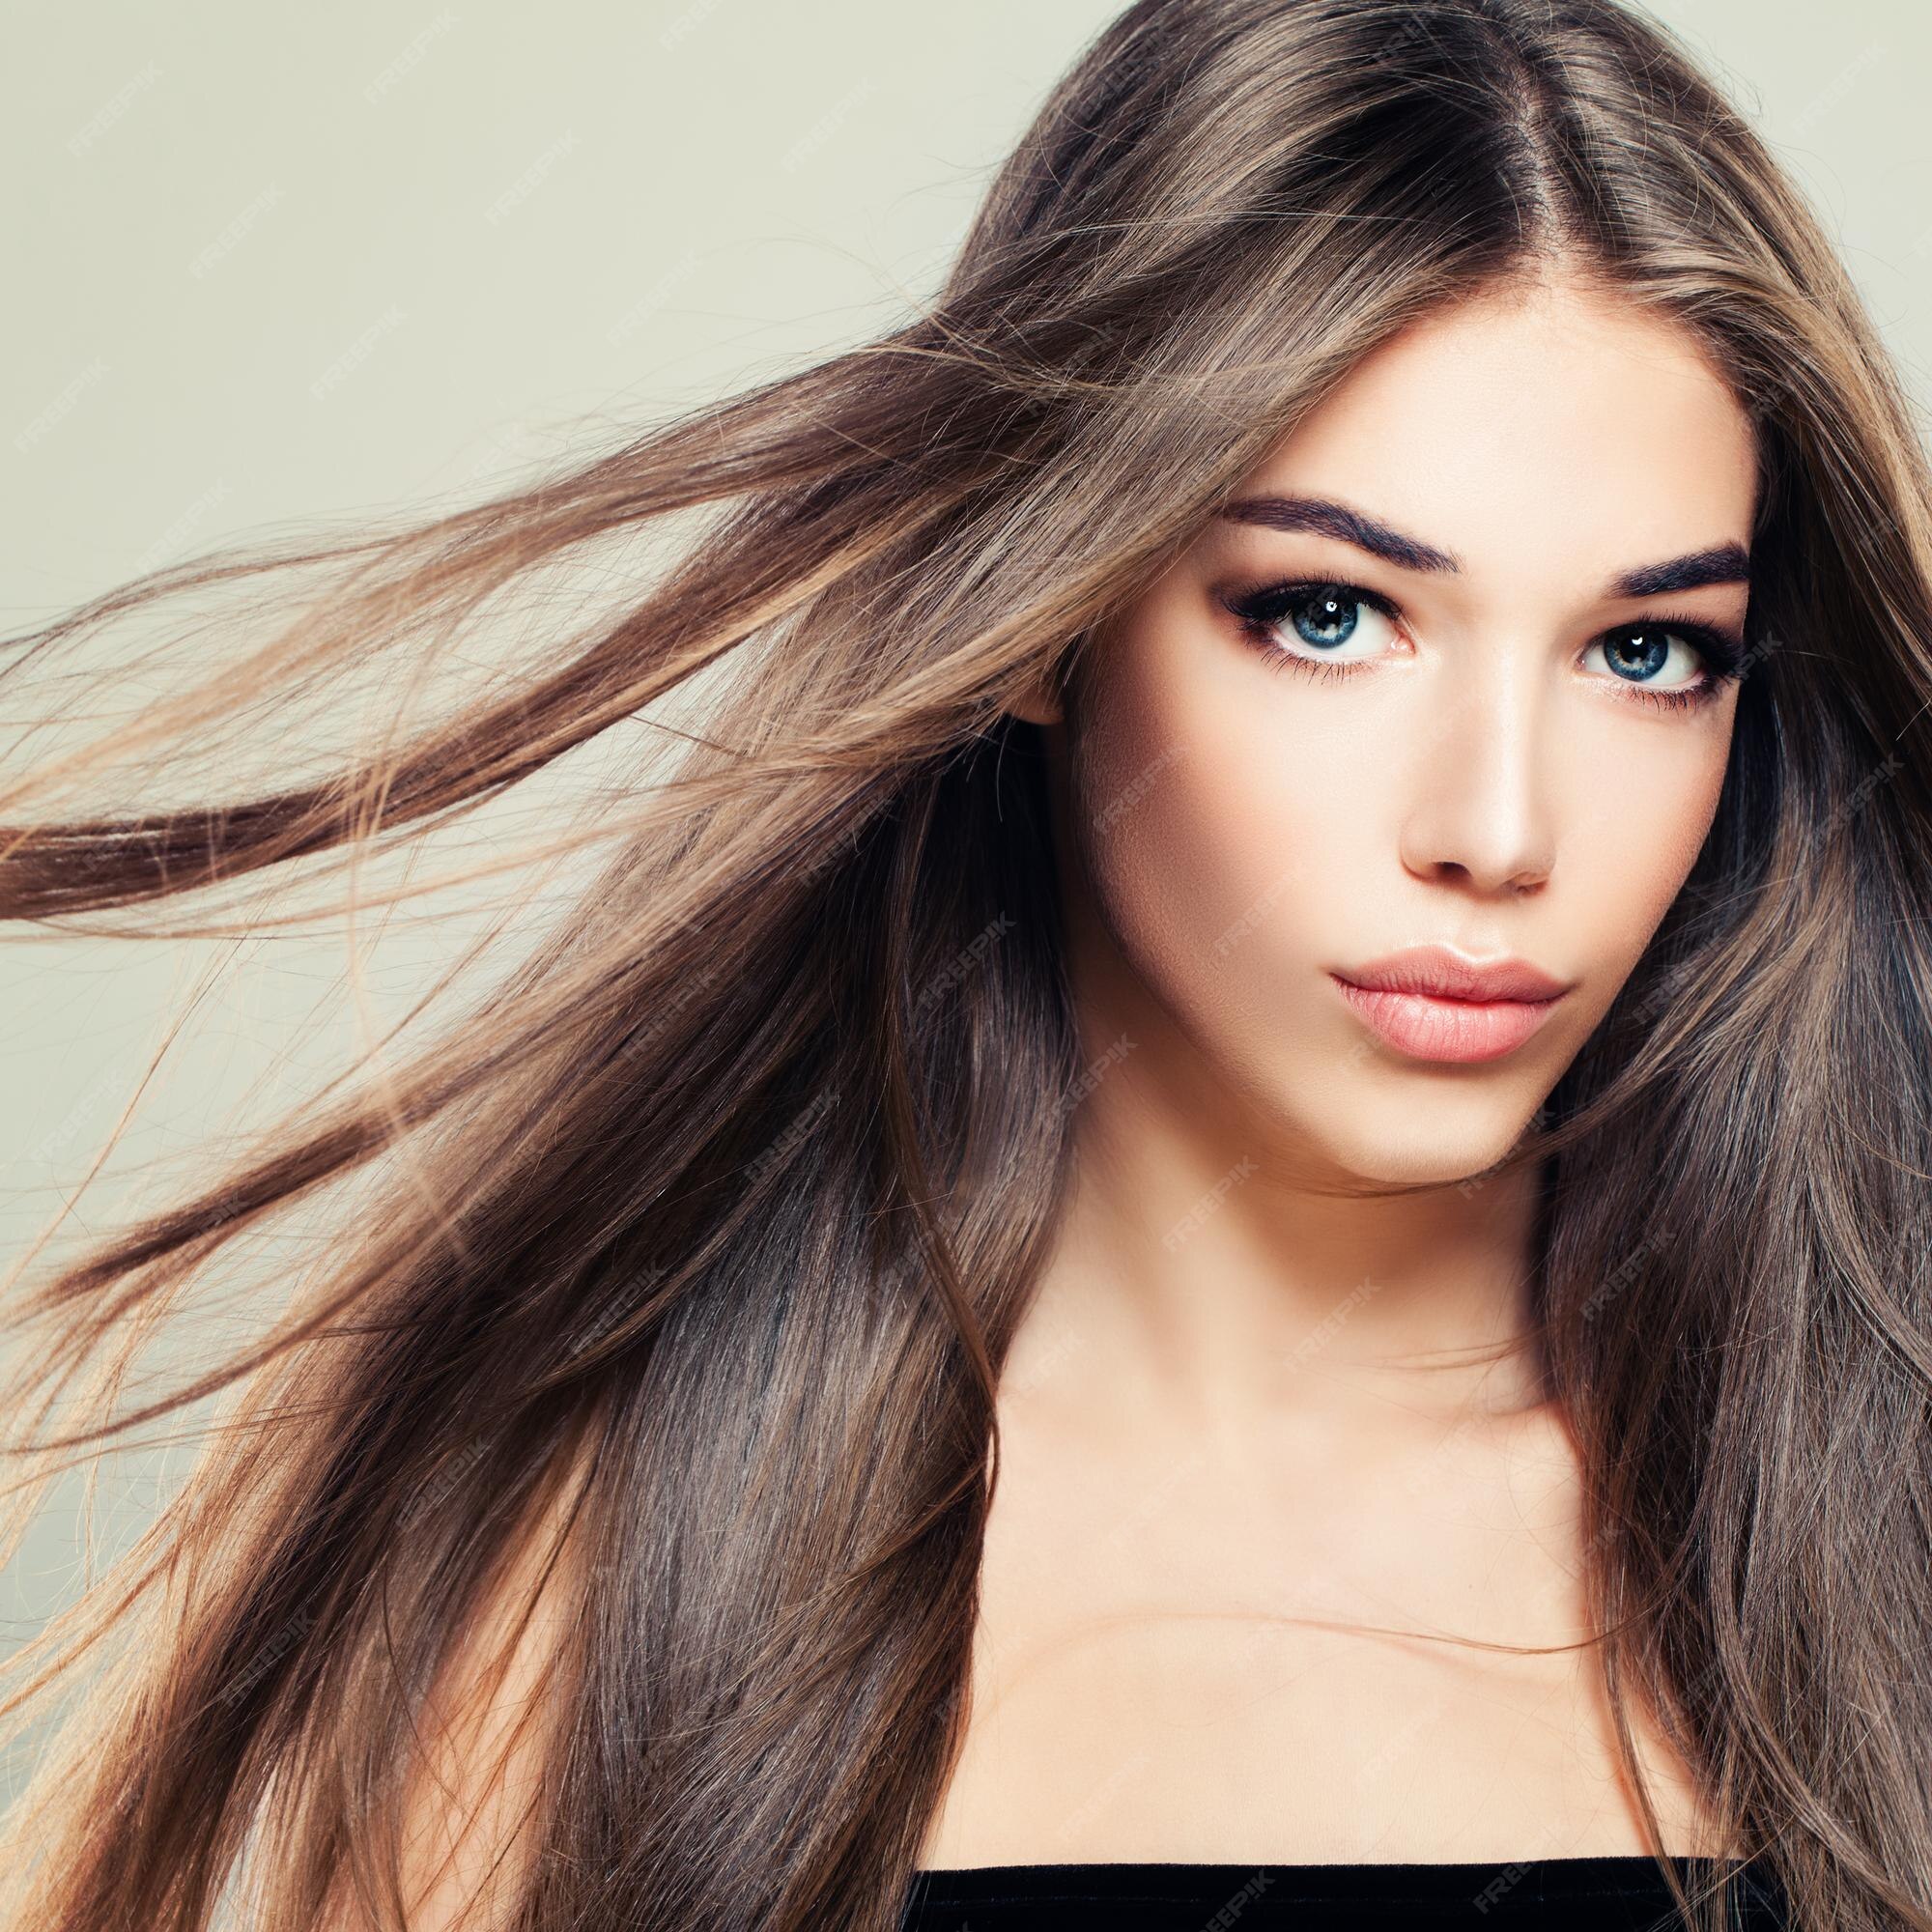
(700, 1241)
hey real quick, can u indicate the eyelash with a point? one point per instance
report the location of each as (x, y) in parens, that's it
(1259, 610)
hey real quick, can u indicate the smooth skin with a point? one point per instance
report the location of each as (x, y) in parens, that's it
(1237, 1400)
(1234, 1400)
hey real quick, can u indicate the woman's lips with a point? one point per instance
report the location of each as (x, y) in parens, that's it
(1427, 1026)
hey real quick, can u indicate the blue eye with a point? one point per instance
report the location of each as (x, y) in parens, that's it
(1326, 618)
(1311, 624)
(1323, 618)
(1637, 654)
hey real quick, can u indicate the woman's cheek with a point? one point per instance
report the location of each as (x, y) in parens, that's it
(1633, 828)
(1210, 879)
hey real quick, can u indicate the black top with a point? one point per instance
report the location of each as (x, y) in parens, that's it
(1607, 1894)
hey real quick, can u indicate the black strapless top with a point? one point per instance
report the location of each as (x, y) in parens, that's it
(1608, 1894)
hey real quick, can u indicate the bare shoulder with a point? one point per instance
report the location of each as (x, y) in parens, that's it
(485, 1732)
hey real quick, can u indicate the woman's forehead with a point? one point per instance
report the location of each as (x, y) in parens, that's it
(1570, 422)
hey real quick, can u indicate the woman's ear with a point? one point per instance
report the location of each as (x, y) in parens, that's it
(1040, 703)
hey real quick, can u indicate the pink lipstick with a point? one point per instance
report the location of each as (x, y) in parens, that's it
(1433, 1003)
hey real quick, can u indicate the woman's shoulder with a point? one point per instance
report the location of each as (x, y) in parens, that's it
(468, 1817)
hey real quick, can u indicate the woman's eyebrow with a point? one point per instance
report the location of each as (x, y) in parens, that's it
(1329, 519)
(1720, 564)
(1717, 563)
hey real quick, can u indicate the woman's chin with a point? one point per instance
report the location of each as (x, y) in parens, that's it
(1421, 1141)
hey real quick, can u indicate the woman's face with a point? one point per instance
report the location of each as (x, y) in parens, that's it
(1482, 729)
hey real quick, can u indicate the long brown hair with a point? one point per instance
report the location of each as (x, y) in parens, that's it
(706, 1231)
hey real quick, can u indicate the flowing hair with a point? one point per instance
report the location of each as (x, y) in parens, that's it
(689, 1255)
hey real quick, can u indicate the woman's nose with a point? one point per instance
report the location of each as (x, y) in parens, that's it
(1478, 802)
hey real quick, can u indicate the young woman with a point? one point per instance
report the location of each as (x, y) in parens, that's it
(1220, 1217)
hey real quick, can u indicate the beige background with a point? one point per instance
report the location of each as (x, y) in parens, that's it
(272, 265)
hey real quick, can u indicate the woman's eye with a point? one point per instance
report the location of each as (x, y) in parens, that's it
(1336, 628)
(1314, 623)
(1642, 654)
